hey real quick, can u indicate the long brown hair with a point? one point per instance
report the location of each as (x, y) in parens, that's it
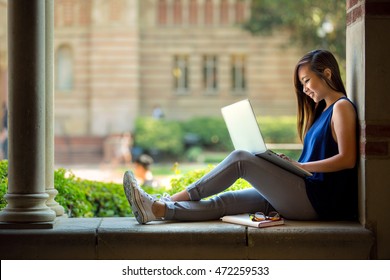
(308, 110)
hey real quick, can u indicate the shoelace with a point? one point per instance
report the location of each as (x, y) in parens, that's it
(165, 197)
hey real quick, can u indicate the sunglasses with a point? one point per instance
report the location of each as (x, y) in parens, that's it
(260, 216)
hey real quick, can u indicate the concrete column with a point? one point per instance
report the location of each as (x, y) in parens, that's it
(26, 195)
(49, 139)
(368, 83)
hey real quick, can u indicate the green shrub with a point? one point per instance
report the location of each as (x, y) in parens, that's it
(159, 135)
(3, 182)
(108, 199)
(281, 129)
(70, 194)
(79, 197)
(193, 154)
(168, 137)
(86, 198)
(212, 132)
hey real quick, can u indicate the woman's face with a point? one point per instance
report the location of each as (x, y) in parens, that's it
(313, 86)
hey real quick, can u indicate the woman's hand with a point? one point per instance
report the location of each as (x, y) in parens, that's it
(283, 156)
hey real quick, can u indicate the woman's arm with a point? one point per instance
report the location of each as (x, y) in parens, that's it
(344, 133)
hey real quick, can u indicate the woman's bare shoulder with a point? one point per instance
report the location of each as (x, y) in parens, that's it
(344, 104)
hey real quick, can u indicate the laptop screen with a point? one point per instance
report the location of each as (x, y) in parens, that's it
(243, 128)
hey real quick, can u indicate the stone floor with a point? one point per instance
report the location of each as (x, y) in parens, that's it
(124, 238)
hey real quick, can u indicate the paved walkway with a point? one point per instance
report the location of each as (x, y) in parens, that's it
(102, 173)
(110, 173)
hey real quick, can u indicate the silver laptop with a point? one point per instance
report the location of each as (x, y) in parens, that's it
(246, 135)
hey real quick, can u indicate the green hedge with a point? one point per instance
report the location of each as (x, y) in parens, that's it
(85, 198)
(212, 132)
(79, 197)
(159, 135)
(282, 129)
(168, 137)
(3, 182)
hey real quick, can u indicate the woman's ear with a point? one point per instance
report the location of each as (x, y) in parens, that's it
(328, 73)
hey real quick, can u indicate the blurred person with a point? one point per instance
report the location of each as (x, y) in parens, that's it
(123, 149)
(157, 113)
(142, 170)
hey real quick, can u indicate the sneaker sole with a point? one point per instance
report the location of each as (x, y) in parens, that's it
(127, 186)
(141, 213)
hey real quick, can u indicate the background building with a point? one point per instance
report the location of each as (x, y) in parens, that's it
(116, 60)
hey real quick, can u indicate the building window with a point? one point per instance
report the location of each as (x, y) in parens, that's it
(238, 73)
(177, 12)
(180, 74)
(162, 12)
(224, 12)
(64, 69)
(210, 82)
(193, 12)
(208, 12)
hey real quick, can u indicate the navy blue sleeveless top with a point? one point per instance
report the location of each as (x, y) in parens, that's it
(333, 194)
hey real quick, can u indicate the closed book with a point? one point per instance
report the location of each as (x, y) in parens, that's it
(245, 219)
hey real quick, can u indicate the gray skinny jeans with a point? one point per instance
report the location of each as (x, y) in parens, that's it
(273, 189)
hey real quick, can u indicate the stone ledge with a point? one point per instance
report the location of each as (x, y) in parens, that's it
(123, 238)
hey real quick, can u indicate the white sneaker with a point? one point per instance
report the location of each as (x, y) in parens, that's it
(140, 202)
(128, 180)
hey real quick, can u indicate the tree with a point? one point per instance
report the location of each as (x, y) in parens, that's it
(312, 24)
